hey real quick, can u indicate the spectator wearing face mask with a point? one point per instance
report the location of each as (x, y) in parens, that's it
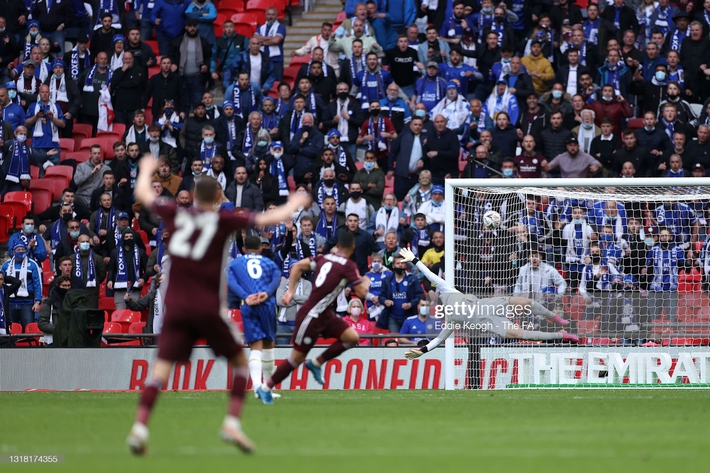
(51, 307)
(372, 180)
(89, 270)
(378, 272)
(26, 301)
(400, 296)
(420, 324)
(13, 112)
(126, 269)
(357, 320)
(36, 246)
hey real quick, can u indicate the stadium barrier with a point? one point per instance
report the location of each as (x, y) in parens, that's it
(127, 369)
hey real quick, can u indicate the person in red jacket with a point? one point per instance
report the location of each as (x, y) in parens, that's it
(612, 106)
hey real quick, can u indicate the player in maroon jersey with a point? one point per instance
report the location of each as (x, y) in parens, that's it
(315, 317)
(193, 300)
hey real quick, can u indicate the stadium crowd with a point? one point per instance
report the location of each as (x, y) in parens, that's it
(374, 113)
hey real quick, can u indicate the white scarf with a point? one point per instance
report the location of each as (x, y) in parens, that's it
(12, 271)
(116, 62)
(20, 83)
(169, 138)
(388, 224)
(493, 105)
(456, 112)
(273, 50)
(585, 134)
(38, 131)
(221, 179)
(106, 114)
(342, 123)
(58, 95)
(131, 135)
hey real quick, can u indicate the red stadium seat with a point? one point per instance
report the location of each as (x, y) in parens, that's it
(41, 200)
(112, 327)
(148, 117)
(78, 156)
(15, 211)
(81, 131)
(4, 228)
(342, 16)
(34, 171)
(67, 144)
(244, 29)
(46, 184)
(246, 18)
(15, 328)
(262, 5)
(635, 124)
(87, 143)
(118, 129)
(153, 71)
(136, 327)
(153, 45)
(125, 317)
(107, 303)
(20, 196)
(65, 171)
(32, 328)
(300, 60)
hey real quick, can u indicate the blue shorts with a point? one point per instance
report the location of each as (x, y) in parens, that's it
(259, 322)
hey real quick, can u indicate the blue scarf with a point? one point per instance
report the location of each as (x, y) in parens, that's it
(237, 100)
(110, 221)
(234, 251)
(483, 21)
(421, 237)
(248, 140)
(499, 30)
(280, 108)
(353, 62)
(325, 229)
(277, 169)
(89, 84)
(56, 234)
(678, 76)
(614, 75)
(677, 39)
(342, 157)
(662, 19)
(74, 67)
(321, 194)
(33, 43)
(19, 168)
(3, 324)
(123, 279)
(311, 243)
(591, 31)
(106, 6)
(617, 15)
(670, 128)
(311, 100)
(296, 122)
(79, 272)
(208, 154)
(376, 133)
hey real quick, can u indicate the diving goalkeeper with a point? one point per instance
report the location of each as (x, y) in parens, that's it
(489, 313)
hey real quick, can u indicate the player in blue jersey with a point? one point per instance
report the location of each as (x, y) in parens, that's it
(254, 279)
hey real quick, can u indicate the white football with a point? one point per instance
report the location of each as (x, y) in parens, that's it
(491, 220)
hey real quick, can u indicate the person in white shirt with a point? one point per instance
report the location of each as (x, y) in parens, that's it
(537, 279)
(321, 40)
(357, 205)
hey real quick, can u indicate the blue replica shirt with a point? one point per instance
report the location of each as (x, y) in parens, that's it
(414, 326)
(679, 218)
(376, 285)
(452, 28)
(399, 297)
(430, 92)
(14, 115)
(518, 8)
(534, 223)
(373, 85)
(276, 53)
(44, 141)
(450, 72)
(665, 267)
(611, 251)
(389, 108)
(253, 273)
(598, 218)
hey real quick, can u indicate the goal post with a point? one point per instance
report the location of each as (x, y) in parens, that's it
(580, 248)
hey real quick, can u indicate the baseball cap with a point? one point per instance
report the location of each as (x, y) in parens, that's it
(122, 215)
(277, 144)
(571, 139)
(699, 166)
(439, 189)
(432, 64)
(334, 132)
(452, 85)
(29, 63)
(191, 21)
(11, 85)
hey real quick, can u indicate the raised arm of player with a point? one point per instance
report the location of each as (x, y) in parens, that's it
(443, 286)
(148, 165)
(282, 213)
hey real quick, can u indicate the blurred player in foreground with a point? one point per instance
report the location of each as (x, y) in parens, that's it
(316, 318)
(192, 301)
(488, 312)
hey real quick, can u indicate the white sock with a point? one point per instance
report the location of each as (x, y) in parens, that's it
(233, 422)
(255, 368)
(267, 362)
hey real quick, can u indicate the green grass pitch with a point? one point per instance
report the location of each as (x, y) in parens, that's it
(372, 431)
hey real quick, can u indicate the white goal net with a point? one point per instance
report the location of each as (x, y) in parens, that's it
(625, 261)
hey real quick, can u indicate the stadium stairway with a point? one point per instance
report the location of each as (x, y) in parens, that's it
(309, 25)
